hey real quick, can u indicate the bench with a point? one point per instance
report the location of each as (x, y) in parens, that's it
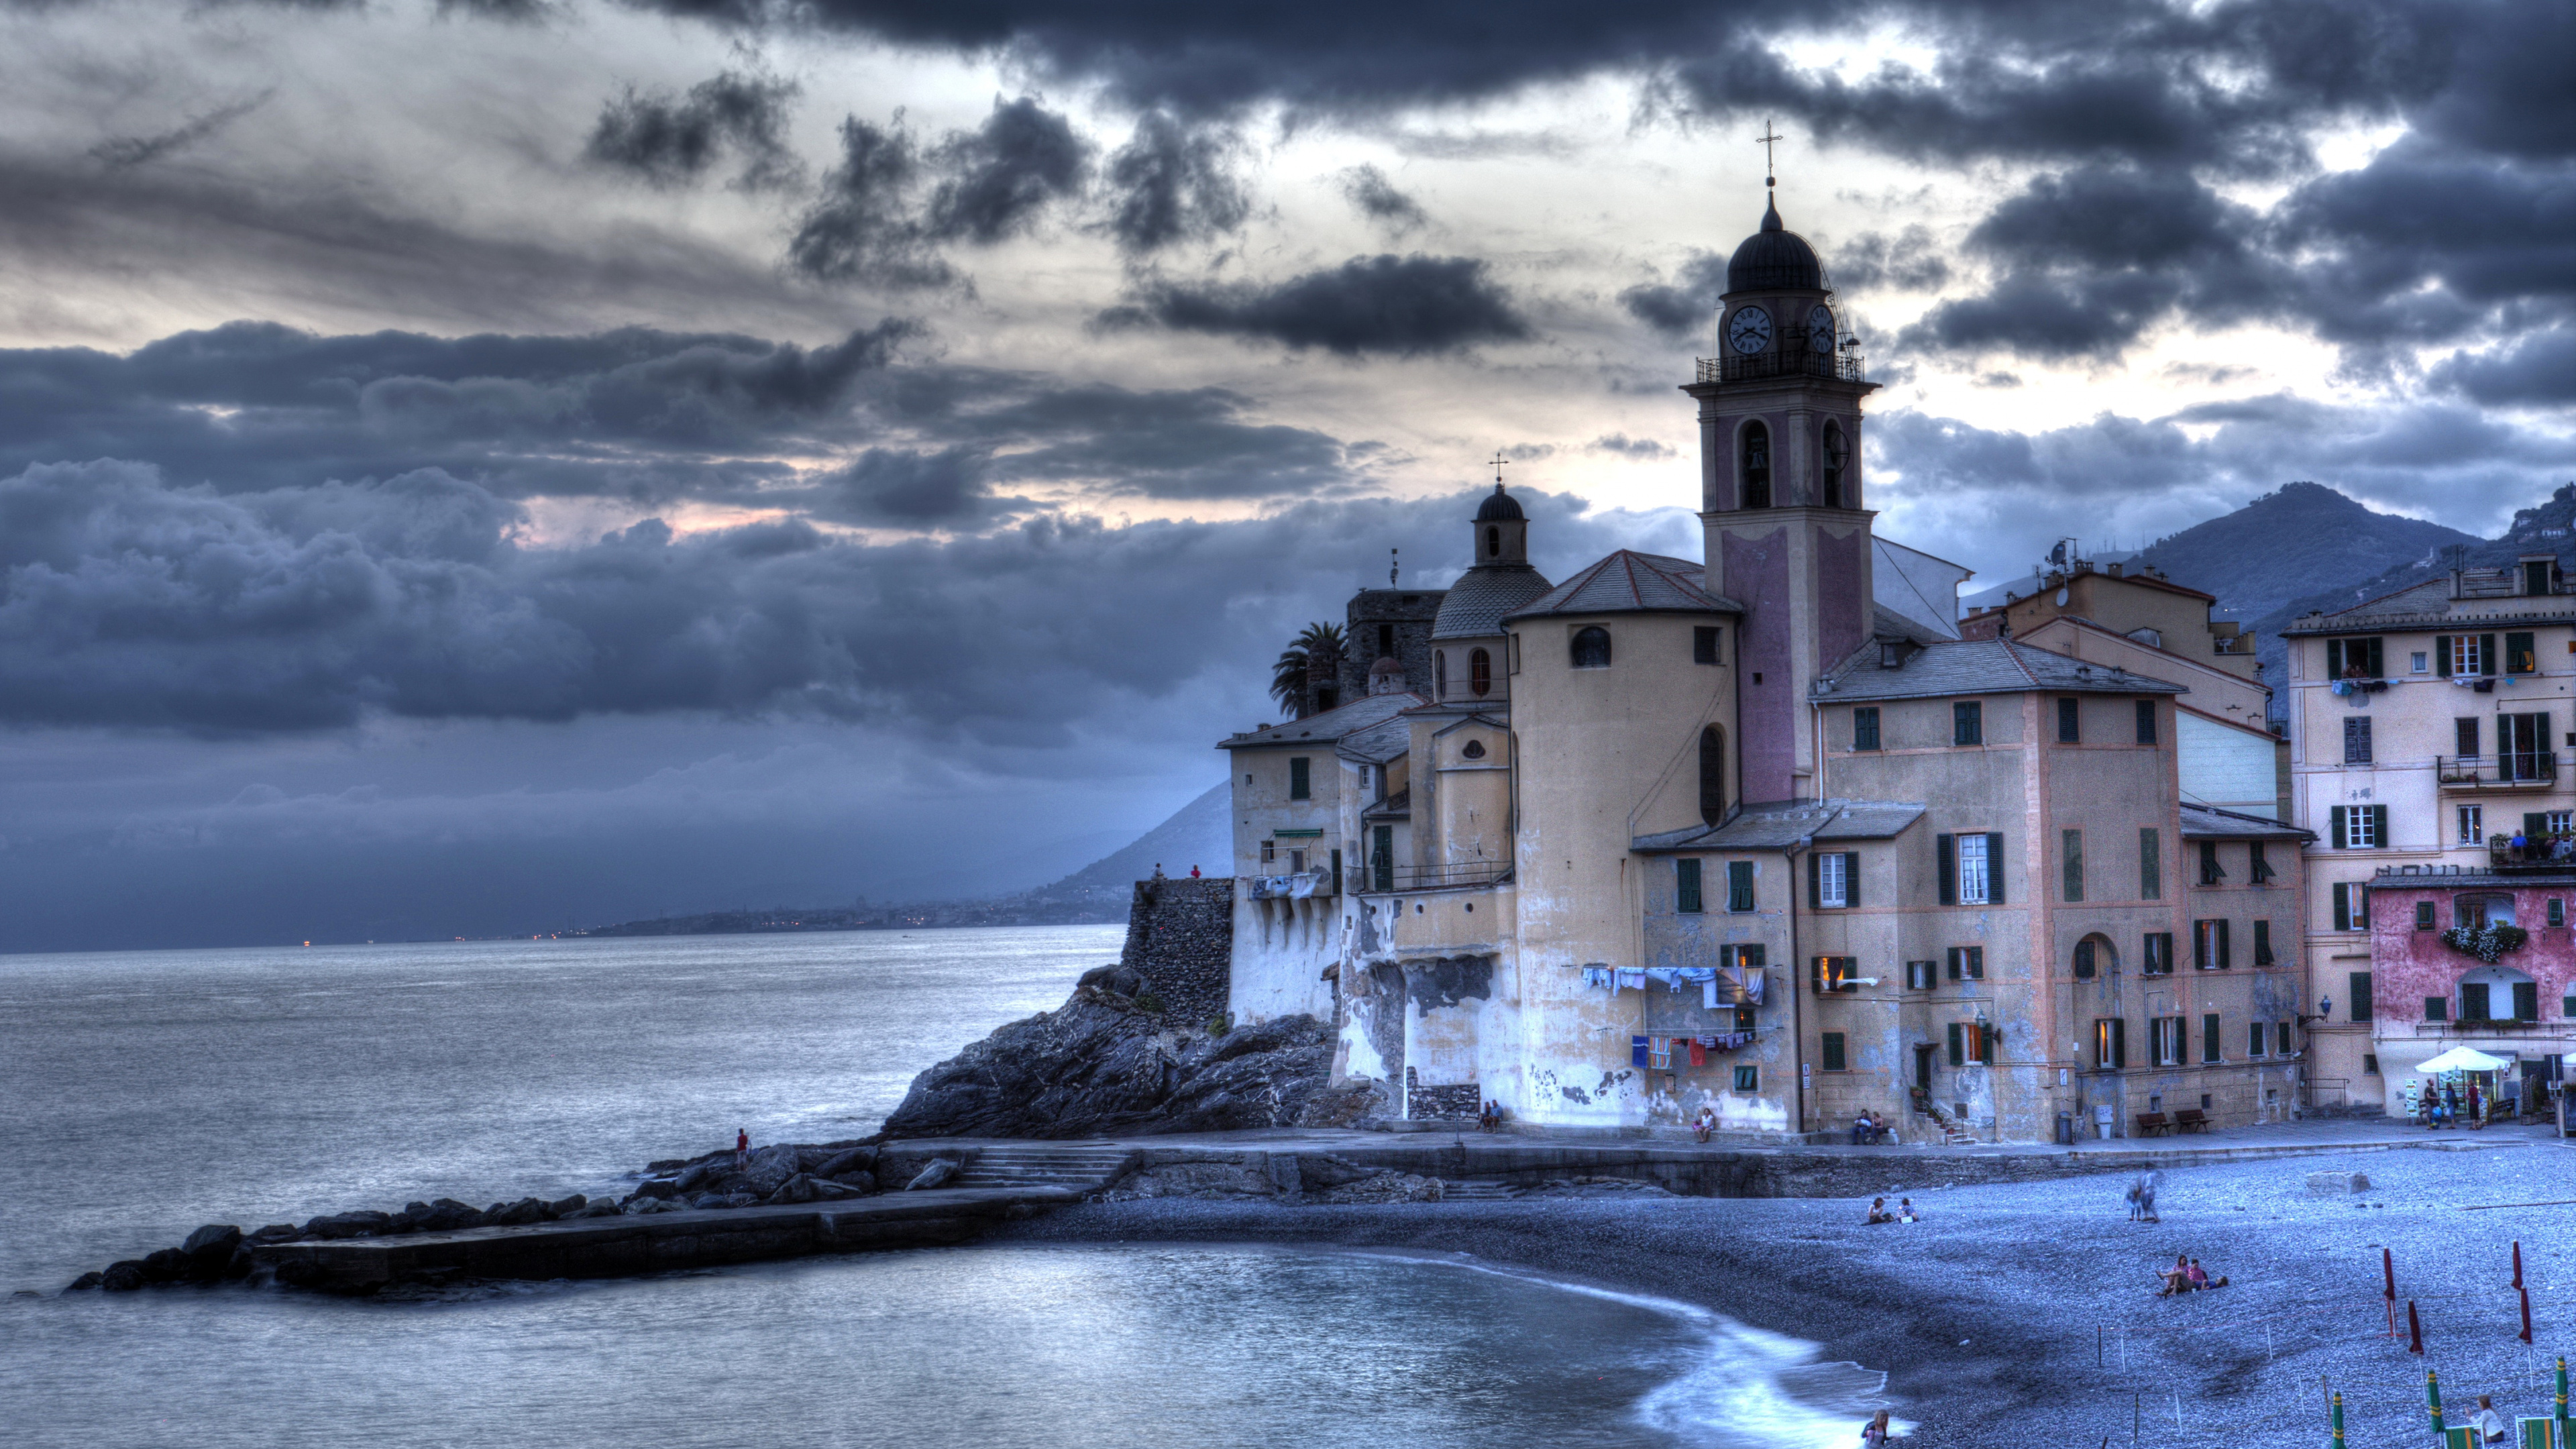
(2191, 1119)
(2151, 1124)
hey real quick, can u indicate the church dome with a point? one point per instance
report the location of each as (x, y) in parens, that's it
(1774, 259)
(1501, 507)
(1386, 668)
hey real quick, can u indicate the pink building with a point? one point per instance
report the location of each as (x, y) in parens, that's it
(2429, 985)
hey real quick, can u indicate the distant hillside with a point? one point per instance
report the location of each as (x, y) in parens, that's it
(2299, 540)
(2542, 529)
(1200, 834)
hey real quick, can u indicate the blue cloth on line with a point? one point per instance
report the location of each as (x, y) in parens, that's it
(1637, 1051)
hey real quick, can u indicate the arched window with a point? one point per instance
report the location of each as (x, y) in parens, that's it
(1439, 673)
(1474, 750)
(1837, 453)
(1756, 470)
(1480, 673)
(1712, 774)
(1591, 647)
(1493, 541)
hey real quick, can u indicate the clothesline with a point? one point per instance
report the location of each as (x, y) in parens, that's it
(1719, 985)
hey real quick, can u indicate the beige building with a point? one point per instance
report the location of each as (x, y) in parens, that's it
(1760, 835)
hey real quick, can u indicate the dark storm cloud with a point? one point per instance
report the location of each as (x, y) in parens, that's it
(670, 139)
(1641, 449)
(1380, 201)
(1389, 305)
(1910, 261)
(124, 151)
(866, 226)
(1002, 174)
(2539, 370)
(1678, 308)
(1173, 183)
(893, 488)
(126, 600)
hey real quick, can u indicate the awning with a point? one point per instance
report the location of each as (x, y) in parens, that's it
(2463, 1059)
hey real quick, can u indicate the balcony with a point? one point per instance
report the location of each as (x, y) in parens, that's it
(1305, 886)
(1383, 878)
(1792, 358)
(2510, 770)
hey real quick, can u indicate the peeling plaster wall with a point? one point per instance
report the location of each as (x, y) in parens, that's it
(2408, 965)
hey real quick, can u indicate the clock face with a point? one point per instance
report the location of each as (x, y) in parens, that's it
(1820, 329)
(1749, 330)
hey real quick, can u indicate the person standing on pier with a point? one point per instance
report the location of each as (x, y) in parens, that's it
(741, 1148)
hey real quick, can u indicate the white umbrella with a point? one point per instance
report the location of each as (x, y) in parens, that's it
(2463, 1059)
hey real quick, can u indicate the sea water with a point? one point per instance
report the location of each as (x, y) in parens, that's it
(150, 1092)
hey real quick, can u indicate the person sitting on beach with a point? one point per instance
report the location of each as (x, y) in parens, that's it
(2486, 1423)
(2201, 1281)
(1878, 1213)
(1489, 1118)
(1873, 1435)
(2176, 1279)
(1905, 1212)
(1703, 1124)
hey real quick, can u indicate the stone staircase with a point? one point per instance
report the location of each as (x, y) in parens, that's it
(1471, 1190)
(1948, 1128)
(1079, 1165)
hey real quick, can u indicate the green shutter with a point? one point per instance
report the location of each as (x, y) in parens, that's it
(2209, 1037)
(2342, 908)
(1994, 868)
(2262, 943)
(1298, 784)
(1976, 963)
(2378, 825)
(2199, 946)
(2071, 845)
(2151, 865)
(1946, 854)
(1833, 1051)
(1957, 1047)
(2357, 996)
(2442, 655)
(1815, 882)
(2222, 945)
(2334, 659)
(1851, 877)
(1739, 885)
(1686, 897)
(2486, 654)
(2334, 827)
(2526, 1001)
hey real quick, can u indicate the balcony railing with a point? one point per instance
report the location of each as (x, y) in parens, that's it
(2509, 770)
(1382, 877)
(1302, 886)
(1792, 358)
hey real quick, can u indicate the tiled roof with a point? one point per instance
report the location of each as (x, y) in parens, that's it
(1477, 603)
(1979, 666)
(2429, 605)
(1328, 727)
(1779, 826)
(2475, 880)
(1380, 742)
(2208, 822)
(1628, 582)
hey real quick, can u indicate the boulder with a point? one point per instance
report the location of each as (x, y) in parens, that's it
(855, 1159)
(856, 1182)
(799, 1188)
(700, 1177)
(443, 1216)
(1098, 1066)
(168, 1265)
(85, 1282)
(518, 1214)
(1322, 1171)
(939, 1171)
(601, 1209)
(642, 1205)
(284, 1233)
(364, 1223)
(657, 1187)
(826, 1190)
(771, 1166)
(122, 1277)
(210, 1251)
(2337, 1184)
(239, 1266)
(561, 1206)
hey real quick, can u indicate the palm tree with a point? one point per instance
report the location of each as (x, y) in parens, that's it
(1316, 650)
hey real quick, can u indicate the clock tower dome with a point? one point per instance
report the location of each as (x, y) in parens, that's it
(1788, 535)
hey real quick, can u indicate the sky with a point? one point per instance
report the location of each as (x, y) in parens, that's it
(488, 466)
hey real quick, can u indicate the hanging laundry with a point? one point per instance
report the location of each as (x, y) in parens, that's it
(1598, 976)
(1631, 978)
(1698, 1055)
(1659, 1056)
(1636, 1051)
(1708, 994)
(1695, 973)
(1670, 976)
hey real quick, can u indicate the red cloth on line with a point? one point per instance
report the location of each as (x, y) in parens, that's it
(1699, 1055)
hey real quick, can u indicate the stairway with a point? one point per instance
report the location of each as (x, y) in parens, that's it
(1452, 1190)
(1081, 1165)
(1951, 1132)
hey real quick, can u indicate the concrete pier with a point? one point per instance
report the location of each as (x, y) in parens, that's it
(647, 1243)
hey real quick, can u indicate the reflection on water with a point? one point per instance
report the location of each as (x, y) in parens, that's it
(1002, 1347)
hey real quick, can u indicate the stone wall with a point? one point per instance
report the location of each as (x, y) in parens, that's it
(1180, 938)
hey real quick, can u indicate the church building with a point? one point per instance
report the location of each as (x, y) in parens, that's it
(1761, 834)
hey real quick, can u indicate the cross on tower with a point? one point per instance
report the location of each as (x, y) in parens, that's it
(1769, 137)
(1499, 460)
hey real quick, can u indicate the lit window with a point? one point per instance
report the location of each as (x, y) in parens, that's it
(2473, 825)
(1976, 878)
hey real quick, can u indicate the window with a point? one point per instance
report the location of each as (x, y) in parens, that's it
(1439, 674)
(2520, 655)
(1833, 880)
(1925, 975)
(2437, 1008)
(2352, 659)
(2209, 945)
(2522, 748)
(2110, 1044)
(1269, 851)
(1591, 647)
(2157, 958)
(2210, 871)
(1712, 774)
(2164, 1041)
(1834, 1060)
(2357, 996)
(1832, 975)
(2262, 868)
(2146, 721)
(1382, 857)
(1748, 1079)
(2084, 962)
(2151, 885)
(2356, 739)
(1704, 644)
(2424, 916)
(2464, 737)
(1472, 750)
(2357, 827)
(1299, 784)
(2209, 1038)
(1971, 1043)
(2370, 1064)
(1865, 728)
(2464, 654)
(1686, 887)
(2415, 662)
(2071, 848)
(2262, 943)
(1755, 466)
(2559, 822)
(1297, 862)
(2526, 1001)
(2254, 1039)
(2535, 575)
(1480, 673)
(2351, 900)
(1739, 885)
(1493, 541)
(2473, 825)
(1967, 723)
(1971, 869)
(2070, 727)
(1967, 963)
(1837, 454)
(2557, 911)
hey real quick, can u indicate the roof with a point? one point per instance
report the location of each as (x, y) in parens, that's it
(2438, 880)
(1628, 582)
(2208, 822)
(1478, 602)
(1886, 623)
(2429, 605)
(1774, 259)
(1328, 727)
(1379, 743)
(1979, 666)
(1788, 823)
(1500, 507)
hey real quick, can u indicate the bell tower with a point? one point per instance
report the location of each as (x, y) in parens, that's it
(1781, 501)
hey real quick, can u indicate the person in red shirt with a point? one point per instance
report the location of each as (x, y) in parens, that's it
(741, 1148)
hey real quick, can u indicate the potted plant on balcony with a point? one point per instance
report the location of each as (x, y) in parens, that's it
(2487, 943)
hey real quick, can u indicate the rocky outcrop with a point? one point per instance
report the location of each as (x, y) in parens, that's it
(1106, 1062)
